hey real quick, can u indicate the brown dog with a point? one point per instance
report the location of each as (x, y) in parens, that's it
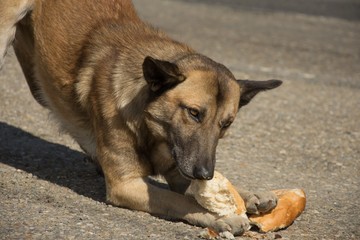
(137, 102)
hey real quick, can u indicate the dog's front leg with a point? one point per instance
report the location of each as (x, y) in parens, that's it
(127, 186)
(138, 194)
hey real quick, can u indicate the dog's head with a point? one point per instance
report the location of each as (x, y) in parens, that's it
(195, 102)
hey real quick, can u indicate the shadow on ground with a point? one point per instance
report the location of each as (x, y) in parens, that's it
(49, 161)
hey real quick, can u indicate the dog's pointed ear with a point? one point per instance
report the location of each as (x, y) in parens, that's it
(161, 75)
(250, 88)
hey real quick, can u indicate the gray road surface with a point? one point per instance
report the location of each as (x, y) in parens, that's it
(306, 134)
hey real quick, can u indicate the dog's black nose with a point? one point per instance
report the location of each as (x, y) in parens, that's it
(202, 173)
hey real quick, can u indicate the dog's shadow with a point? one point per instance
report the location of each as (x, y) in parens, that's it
(49, 161)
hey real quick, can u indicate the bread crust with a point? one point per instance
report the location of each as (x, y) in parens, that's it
(239, 201)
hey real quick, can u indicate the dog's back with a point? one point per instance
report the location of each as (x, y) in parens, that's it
(63, 27)
(53, 34)
(59, 38)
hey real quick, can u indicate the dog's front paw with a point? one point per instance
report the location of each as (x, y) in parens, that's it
(236, 224)
(259, 202)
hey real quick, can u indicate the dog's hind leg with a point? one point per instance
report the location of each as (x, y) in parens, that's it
(11, 12)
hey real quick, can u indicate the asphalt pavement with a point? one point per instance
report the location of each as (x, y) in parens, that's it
(305, 134)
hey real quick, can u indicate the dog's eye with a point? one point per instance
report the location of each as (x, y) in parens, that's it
(224, 125)
(194, 114)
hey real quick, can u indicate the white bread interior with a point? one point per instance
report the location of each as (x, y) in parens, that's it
(218, 196)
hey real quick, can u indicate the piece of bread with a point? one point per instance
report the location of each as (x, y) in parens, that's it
(219, 196)
(290, 205)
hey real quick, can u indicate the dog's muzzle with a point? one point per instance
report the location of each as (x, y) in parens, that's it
(202, 173)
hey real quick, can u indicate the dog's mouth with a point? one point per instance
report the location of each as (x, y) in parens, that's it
(186, 176)
(179, 167)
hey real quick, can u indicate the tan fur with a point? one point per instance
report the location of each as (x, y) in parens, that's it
(11, 12)
(129, 95)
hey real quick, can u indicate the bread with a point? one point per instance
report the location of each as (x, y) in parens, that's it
(290, 205)
(219, 196)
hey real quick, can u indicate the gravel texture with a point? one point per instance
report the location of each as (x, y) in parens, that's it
(305, 134)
